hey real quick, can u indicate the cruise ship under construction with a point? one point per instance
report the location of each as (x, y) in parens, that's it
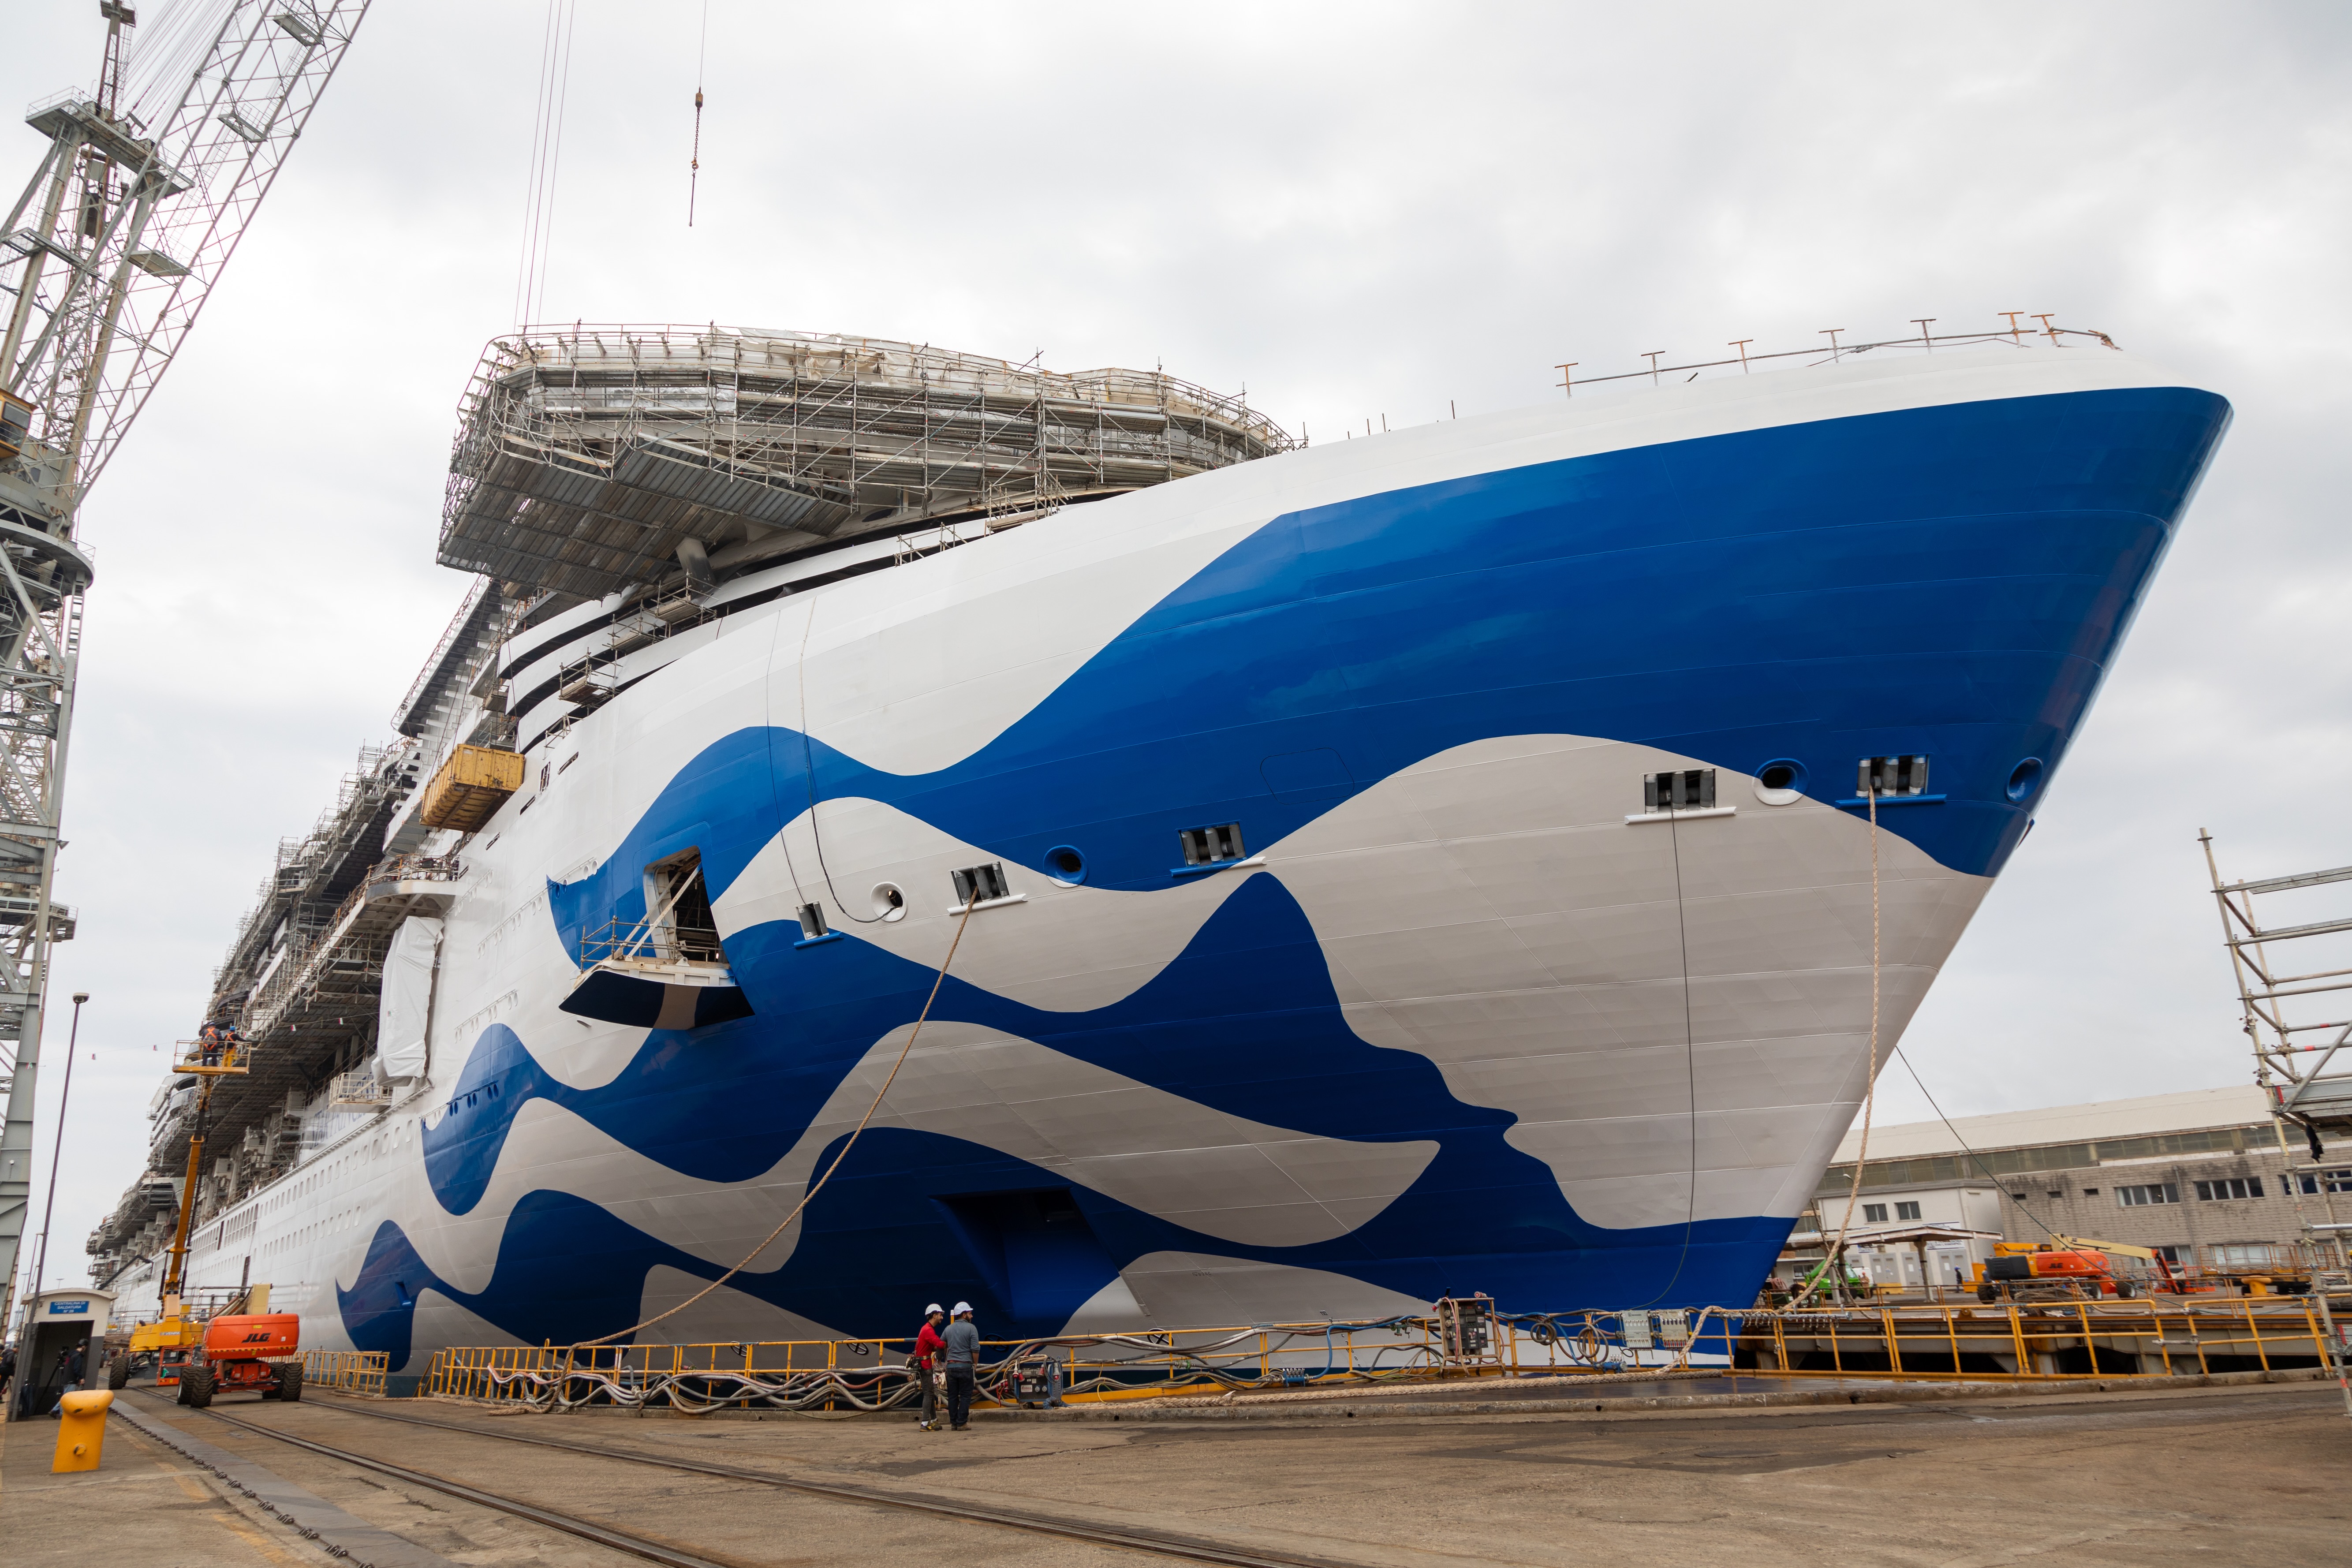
(1325, 879)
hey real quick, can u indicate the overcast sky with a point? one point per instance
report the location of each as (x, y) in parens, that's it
(1354, 211)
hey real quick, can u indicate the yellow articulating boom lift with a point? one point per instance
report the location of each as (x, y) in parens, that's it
(172, 1336)
(2065, 1266)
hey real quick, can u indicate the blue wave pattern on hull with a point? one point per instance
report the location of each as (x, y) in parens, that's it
(1950, 580)
(1246, 1013)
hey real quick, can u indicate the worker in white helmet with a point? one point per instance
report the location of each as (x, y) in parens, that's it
(962, 1343)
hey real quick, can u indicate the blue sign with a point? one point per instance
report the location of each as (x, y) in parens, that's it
(59, 1309)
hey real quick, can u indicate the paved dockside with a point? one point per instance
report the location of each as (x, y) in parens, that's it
(2252, 1469)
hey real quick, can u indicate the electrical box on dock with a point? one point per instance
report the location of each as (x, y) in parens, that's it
(471, 786)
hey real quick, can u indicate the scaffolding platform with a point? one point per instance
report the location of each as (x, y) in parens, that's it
(2277, 993)
(589, 457)
(2294, 1053)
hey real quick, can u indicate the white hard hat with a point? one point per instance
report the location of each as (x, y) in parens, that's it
(934, 1307)
(961, 1307)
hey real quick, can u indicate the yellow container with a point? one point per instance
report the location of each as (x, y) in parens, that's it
(81, 1431)
(470, 787)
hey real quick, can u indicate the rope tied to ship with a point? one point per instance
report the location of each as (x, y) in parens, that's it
(809, 1197)
(1835, 1255)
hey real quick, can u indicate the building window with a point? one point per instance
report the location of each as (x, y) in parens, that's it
(2317, 1182)
(2154, 1192)
(2172, 1255)
(2053, 1193)
(2246, 1255)
(2090, 1192)
(1873, 1213)
(2230, 1187)
(1906, 1211)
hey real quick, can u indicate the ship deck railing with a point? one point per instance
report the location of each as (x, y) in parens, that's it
(622, 942)
(1835, 353)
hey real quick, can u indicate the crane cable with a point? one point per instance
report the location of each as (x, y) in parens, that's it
(546, 159)
(1870, 1089)
(694, 169)
(810, 1197)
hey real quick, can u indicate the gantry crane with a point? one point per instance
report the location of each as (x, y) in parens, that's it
(105, 260)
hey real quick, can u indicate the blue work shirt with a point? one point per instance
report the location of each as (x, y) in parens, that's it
(963, 1343)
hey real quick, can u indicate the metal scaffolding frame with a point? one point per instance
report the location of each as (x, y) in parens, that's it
(587, 457)
(2308, 1103)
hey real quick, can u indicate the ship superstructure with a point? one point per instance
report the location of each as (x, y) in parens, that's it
(1428, 864)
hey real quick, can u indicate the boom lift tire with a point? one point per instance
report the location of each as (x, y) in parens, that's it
(196, 1388)
(290, 1381)
(118, 1371)
(182, 1397)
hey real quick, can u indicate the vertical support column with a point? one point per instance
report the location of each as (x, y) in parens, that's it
(62, 154)
(2335, 1351)
(40, 675)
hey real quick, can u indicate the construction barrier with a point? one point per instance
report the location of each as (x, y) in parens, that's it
(1463, 1341)
(2144, 1337)
(346, 1372)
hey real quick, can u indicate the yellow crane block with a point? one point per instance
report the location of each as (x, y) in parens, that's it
(81, 1431)
(470, 786)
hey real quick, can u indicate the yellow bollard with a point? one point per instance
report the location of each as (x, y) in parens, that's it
(82, 1430)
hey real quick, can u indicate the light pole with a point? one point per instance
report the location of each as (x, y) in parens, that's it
(41, 1253)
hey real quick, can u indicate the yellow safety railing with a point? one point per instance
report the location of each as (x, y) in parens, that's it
(2084, 1339)
(346, 1372)
(2143, 1337)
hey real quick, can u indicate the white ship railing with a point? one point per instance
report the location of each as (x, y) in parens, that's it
(1835, 350)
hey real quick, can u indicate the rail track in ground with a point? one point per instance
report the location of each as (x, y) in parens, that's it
(1127, 1538)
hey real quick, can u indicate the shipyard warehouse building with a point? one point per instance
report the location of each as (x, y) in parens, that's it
(2196, 1177)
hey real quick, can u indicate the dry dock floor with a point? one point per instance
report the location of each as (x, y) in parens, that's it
(2247, 1473)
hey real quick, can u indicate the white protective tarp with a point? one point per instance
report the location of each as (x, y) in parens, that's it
(407, 998)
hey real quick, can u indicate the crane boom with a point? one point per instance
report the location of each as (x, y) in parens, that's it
(107, 256)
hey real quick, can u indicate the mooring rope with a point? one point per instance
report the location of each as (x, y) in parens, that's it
(1835, 1255)
(809, 1197)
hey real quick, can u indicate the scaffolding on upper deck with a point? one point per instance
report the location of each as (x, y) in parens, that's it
(588, 458)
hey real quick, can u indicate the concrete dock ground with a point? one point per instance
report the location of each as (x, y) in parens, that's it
(2253, 1472)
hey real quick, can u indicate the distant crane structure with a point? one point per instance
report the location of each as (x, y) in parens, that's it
(105, 260)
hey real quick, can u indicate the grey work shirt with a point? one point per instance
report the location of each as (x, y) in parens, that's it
(963, 1343)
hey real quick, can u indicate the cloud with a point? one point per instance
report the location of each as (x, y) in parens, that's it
(1357, 212)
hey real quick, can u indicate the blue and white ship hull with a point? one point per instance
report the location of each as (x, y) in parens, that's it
(1466, 1015)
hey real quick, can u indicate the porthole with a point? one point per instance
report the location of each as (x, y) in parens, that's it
(890, 903)
(2024, 779)
(1780, 781)
(1066, 865)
